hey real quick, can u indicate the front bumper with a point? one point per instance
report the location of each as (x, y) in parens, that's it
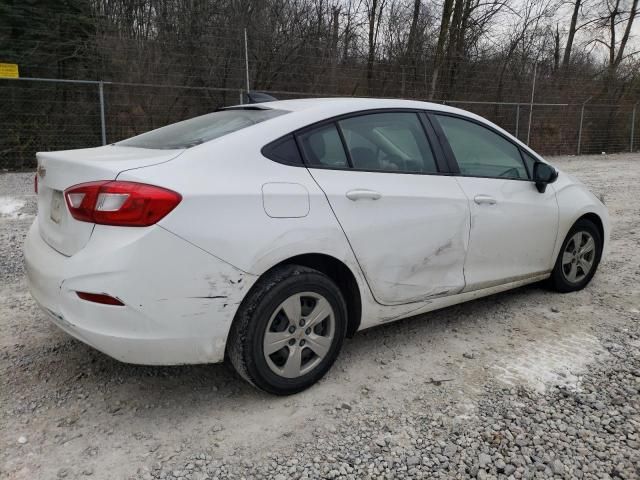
(179, 300)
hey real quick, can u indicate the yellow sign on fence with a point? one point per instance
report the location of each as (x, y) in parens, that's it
(9, 70)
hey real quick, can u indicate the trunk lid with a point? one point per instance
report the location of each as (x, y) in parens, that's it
(58, 171)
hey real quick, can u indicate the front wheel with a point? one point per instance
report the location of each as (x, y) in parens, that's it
(578, 258)
(289, 330)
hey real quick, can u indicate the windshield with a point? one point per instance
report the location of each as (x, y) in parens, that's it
(195, 131)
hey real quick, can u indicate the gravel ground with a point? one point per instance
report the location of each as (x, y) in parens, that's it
(525, 384)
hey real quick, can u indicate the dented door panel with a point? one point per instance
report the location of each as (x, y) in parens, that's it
(514, 236)
(410, 239)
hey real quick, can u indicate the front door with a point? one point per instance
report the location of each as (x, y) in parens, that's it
(513, 226)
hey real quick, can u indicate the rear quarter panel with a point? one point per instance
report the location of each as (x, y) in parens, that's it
(222, 210)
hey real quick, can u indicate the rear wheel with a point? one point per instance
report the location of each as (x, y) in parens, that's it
(289, 330)
(578, 258)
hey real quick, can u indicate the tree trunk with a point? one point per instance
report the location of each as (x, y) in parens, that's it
(556, 50)
(572, 33)
(335, 28)
(442, 40)
(627, 31)
(372, 44)
(461, 13)
(413, 31)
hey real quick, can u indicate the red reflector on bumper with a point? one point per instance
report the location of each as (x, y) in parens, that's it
(99, 298)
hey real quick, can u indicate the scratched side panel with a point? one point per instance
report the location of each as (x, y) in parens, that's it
(176, 295)
(222, 211)
(411, 242)
(512, 237)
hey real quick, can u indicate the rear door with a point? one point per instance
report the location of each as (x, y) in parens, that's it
(406, 220)
(513, 226)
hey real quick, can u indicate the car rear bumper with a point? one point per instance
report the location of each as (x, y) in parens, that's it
(179, 301)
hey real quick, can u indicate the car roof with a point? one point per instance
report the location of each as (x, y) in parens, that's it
(355, 103)
(334, 106)
(309, 110)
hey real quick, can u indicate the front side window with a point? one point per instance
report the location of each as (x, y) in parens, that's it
(480, 152)
(322, 147)
(391, 142)
(195, 131)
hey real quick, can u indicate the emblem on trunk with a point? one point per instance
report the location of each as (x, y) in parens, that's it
(41, 171)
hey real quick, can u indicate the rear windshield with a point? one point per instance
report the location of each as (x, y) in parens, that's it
(195, 131)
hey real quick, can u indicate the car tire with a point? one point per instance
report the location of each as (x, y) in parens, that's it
(289, 330)
(575, 255)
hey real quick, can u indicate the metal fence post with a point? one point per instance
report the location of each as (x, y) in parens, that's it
(103, 125)
(533, 91)
(246, 59)
(633, 126)
(580, 128)
(517, 119)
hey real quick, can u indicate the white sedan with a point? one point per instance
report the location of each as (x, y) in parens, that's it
(267, 233)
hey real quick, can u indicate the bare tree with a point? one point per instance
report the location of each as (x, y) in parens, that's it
(525, 39)
(616, 58)
(572, 33)
(375, 9)
(445, 22)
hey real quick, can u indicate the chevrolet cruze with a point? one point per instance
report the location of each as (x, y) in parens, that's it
(266, 233)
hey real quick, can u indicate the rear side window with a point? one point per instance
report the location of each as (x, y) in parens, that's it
(322, 147)
(284, 151)
(389, 142)
(481, 152)
(195, 131)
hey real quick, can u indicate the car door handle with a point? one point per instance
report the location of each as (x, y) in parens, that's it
(363, 194)
(484, 200)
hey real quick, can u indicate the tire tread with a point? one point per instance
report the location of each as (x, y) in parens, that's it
(557, 281)
(237, 343)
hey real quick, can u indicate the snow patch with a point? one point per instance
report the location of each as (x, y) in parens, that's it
(558, 361)
(10, 207)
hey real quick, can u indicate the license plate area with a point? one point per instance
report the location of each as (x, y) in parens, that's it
(57, 205)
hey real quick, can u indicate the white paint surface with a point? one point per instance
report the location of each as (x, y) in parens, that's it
(285, 200)
(410, 242)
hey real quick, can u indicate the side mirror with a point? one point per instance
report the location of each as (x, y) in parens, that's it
(543, 174)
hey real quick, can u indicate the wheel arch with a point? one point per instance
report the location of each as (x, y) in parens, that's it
(338, 272)
(596, 220)
(343, 277)
(568, 224)
(576, 202)
(558, 279)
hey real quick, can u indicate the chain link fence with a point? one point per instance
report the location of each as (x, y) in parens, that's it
(49, 114)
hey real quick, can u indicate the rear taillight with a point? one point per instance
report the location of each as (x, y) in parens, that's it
(35, 183)
(126, 204)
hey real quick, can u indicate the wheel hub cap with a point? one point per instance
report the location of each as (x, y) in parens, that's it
(291, 352)
(578, 257)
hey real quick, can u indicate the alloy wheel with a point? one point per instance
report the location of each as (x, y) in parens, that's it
(299, 334)
(578, 256)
